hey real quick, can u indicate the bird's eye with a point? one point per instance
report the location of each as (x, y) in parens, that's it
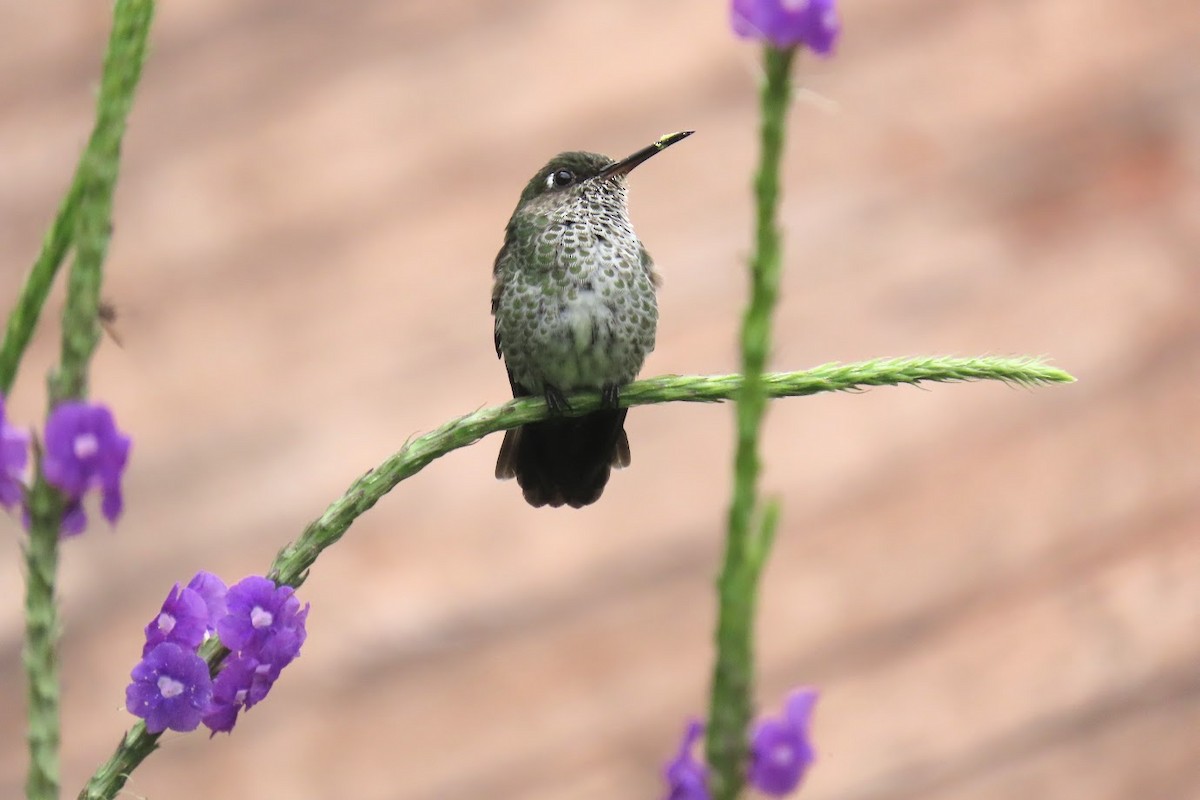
(563, 177)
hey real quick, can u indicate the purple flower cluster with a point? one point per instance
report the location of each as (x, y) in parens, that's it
(780, 753)
(83, 450)
(788, 23)
(262, 625)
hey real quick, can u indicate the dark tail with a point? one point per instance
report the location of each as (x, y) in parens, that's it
(565, 461)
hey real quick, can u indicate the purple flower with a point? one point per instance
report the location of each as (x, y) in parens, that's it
(264, 621)
(74, 521)
(687, 778)
(251, 678)
(14, 456)
(780, 751)
(85, 449)
(212, 590)
(183, 620)
(242, 682)
(221, 715)
(262, 624)
(171, 688)
(788, 23)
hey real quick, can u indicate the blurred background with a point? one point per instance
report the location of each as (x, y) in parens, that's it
(997, 590)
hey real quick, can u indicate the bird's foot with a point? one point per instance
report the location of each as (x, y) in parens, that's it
(555, 400)
(610, 395)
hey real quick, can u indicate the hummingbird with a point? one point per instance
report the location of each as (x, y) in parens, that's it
(573, 295)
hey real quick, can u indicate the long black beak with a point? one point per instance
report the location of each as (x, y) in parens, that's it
(626, 164)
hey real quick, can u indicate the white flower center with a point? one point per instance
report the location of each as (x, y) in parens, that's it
(86, 445)
(829, 20)
(168, 687)
(239, 697)
(795, 6)
(782, 754)
(260, 617)
(166, 623)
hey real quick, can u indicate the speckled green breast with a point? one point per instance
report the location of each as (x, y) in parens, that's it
(577, 308)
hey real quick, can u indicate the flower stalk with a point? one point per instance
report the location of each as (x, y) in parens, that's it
(751, 529)
(84, 222)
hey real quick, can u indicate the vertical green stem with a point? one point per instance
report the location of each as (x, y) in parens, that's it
(96, 180)
(85, 217)
(731, 702)
(41, 637)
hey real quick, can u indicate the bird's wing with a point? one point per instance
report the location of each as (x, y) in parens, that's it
(498, 285)
(496, 289)
(648, 266)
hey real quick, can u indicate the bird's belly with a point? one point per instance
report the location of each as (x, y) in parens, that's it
(589, 346)
(588, 336)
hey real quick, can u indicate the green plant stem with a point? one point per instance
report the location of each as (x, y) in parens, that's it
(293, 562)
(291, 565)
(733, 675)
(41, 637)
(86, 213)
(96, 178)
(97, 168)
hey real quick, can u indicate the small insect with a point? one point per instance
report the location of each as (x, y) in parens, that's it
(106, 313)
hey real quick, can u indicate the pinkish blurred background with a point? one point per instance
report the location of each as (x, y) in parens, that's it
(998, 590)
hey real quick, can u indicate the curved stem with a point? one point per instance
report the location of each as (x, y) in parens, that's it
(291, 566)
(293, 562)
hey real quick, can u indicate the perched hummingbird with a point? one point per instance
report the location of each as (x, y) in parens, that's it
(573, 297)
